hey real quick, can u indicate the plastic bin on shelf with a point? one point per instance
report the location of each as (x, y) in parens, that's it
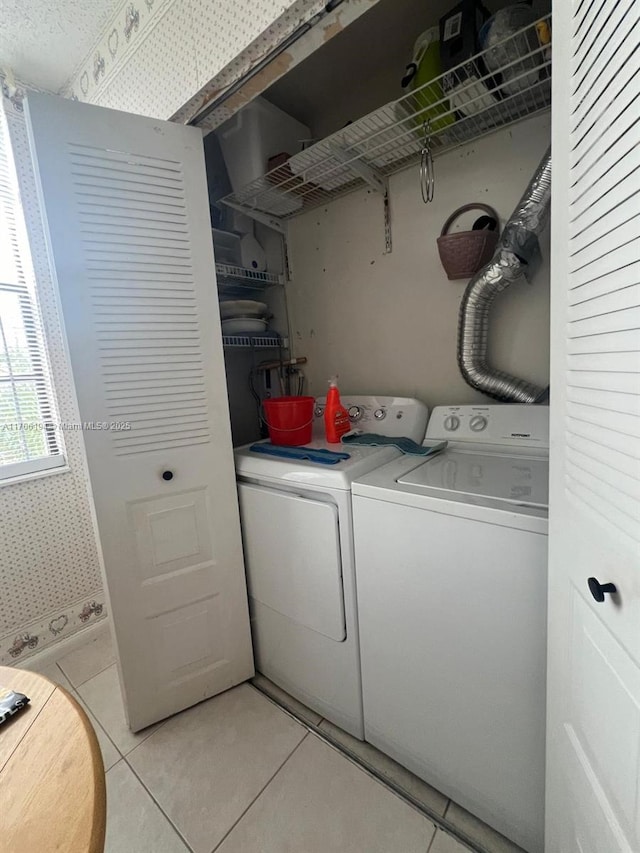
(253, 135)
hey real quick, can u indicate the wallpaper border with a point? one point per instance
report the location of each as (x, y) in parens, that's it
(129, 25)
(18, 645)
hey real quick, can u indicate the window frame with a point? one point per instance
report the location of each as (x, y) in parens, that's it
(30, 317)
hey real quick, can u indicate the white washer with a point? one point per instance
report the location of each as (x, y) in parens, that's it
(451, 564)
(298, 547)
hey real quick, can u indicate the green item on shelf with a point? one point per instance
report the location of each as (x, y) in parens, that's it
(424, 69)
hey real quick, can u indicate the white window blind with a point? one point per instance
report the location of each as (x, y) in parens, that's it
(29, 437)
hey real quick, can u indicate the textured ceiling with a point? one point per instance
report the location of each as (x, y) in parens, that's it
(42, 41)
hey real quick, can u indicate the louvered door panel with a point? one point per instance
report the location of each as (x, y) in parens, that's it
(607, 30)
(127, 211)
(139, 394)
(593, 752)
(622, 41)
(617, 166)
(604, 283)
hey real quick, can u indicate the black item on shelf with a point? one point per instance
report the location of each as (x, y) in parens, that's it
(459, 41)
(459, 32)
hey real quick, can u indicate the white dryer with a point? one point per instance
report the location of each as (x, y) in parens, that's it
(451, 564)
(298, 547)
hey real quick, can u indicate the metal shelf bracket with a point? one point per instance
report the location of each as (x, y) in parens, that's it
(267, 219)
(375, 180)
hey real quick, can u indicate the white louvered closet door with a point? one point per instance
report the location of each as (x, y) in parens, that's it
(593, 737)
(126, 210)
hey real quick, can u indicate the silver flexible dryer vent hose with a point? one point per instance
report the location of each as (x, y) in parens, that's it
(517, 255)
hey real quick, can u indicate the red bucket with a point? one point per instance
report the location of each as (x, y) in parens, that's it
(289, 419)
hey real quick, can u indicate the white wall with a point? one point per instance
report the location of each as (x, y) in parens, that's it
(387, 323)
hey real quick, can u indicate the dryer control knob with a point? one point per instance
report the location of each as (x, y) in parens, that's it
(451, 423)
(380, 414)
(355, 413)
(478, 423)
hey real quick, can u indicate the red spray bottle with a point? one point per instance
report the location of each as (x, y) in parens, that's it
(336, 417)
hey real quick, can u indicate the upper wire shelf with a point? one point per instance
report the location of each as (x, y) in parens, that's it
(266, 341)
(506, 83)
(233, 278)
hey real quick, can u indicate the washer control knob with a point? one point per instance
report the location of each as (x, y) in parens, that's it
(380, 414)
(478, 423)
(355, 413)
(451, 423)
(318, 411)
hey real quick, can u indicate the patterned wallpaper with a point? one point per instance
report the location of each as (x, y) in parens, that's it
(154, 55)
(50, 582)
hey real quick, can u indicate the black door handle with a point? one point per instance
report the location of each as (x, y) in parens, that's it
(599, 590)
(167, 475)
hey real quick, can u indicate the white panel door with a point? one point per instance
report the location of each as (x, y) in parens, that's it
(593, 732)
(293, 558)
(126, 210)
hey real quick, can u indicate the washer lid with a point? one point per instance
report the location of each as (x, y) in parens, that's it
(517, 479)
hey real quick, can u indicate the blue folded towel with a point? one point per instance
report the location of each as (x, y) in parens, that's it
(311, 454)
(405, 445)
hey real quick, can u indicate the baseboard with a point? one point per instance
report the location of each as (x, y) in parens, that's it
(50, 629)
(63, 647)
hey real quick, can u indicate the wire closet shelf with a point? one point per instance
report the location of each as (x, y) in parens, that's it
(508, 82)
(267, 341)
(234, 281)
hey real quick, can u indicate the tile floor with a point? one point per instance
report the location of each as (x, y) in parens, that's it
(236, 774)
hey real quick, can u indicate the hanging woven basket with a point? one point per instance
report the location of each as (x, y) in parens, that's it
(465, 252)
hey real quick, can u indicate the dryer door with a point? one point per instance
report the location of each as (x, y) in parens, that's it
(292, 557)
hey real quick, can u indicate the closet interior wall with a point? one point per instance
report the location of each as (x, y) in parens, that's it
(387, 323)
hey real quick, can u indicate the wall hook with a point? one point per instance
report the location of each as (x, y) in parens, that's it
(427, 173)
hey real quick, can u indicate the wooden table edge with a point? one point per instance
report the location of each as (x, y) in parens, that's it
(98, 827)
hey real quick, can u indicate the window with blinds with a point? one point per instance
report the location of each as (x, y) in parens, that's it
(29, 436)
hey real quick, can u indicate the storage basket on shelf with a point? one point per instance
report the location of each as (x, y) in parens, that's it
(465, 252)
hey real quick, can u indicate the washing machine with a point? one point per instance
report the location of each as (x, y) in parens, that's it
(451, 565)
(298, 548)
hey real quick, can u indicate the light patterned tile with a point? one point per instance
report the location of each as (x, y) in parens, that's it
(104, 699)
(110, 754)
(206, 765)
(82, 664)
(479, 831)
(53, 672)
(389, 768)
(320, 802)
(281, 696)
(135, 824)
